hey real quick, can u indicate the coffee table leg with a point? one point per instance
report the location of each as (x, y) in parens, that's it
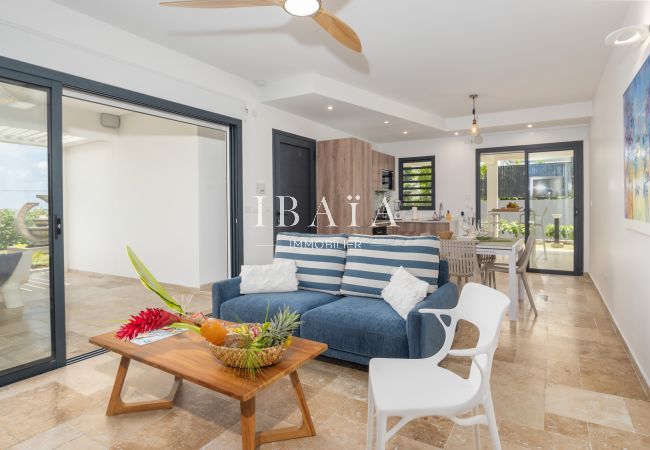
(248, 424)
(117, 406)
(306, 429)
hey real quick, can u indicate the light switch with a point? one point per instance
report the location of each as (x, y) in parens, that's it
(260, 188)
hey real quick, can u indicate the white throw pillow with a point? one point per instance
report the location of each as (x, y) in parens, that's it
(277, 277)
(404, 291)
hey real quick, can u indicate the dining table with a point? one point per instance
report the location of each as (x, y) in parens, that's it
(510, 248)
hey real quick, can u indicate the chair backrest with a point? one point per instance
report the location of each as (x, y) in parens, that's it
(522, 262)
(460, 255)
(485, 308)
(543, 214)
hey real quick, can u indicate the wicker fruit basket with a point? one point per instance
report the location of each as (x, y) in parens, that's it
(235, 357)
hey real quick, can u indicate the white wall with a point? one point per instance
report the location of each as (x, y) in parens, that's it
(139, 189)
(77, 44)
(619, 255)
(213, 205)
(456, 164)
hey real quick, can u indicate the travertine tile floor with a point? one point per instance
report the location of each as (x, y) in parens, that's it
(94, 303)
(560, 381)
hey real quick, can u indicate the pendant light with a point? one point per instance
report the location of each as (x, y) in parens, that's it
(474, 129)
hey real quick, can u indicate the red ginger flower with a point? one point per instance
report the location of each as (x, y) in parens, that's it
(148, 320)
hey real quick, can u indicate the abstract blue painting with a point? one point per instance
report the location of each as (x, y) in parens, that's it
(636, 112)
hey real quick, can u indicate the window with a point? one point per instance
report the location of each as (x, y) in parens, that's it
(417, 182)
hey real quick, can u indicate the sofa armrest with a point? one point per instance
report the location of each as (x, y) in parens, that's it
(425, 333)
(222, 291)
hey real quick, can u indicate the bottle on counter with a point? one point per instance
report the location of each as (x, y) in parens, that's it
(435, 215)
(448, 216)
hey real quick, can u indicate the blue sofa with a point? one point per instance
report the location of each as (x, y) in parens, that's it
(354, 328)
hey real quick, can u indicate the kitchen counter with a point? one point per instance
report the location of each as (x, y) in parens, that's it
(398, 221)
(418, 227)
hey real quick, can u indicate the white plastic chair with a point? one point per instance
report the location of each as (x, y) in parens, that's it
(412, 388)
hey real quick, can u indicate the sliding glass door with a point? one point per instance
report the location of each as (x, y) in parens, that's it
(28, 228)
(551, 209)
(535, 190)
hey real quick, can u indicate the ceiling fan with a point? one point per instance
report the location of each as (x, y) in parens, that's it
(300, 8)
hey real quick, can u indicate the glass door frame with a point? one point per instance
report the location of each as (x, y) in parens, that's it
(56, 82)
(578, 200)
(55, 205)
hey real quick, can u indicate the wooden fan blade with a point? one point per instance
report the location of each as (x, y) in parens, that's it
(338, 29)
(220, 3)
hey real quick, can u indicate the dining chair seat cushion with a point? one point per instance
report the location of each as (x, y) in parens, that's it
(359, 325)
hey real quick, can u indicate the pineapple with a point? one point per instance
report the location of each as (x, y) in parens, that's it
(282, 326)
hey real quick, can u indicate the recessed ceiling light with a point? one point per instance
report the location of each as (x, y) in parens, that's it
(530, 125)
(330, 107)
(456, 133)
(386, 122)
(405, 132)
(628, 35)
(302, 8)
(22, 105)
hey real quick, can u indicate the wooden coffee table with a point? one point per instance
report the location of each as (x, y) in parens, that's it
(187, 357)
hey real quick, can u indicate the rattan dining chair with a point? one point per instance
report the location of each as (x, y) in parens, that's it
(462, 259)
(522, 265)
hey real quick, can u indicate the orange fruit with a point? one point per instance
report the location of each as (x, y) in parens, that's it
(214, 332)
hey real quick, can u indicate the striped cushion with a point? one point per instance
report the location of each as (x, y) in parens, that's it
(320, 259)
(372, 260)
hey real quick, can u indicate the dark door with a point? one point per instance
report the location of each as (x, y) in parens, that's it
(31, 304)
(294, 183)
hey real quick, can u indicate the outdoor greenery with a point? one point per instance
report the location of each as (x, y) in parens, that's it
(417, 184)
(566, 231)
(8, 234)
(9, 237)
(515, 228)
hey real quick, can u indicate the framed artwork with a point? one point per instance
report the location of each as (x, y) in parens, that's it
(636, 118)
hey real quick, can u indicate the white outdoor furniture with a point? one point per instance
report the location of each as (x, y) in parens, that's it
(511, 249)
(522, 265)
(412, 388)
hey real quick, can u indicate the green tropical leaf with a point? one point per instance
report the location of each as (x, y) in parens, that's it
(150, 282)
(186, 326)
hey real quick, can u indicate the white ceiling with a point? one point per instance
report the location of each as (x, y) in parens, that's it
(425, 54)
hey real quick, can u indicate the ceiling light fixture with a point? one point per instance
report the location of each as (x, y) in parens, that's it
(530, 125)
(405, 132)
(628, 35)
(474, 129)
(22, 105)
(386, 122)
(330, 107)
(456, 133)
(302, 8)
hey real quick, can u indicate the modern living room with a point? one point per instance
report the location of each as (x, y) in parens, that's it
(324, 224)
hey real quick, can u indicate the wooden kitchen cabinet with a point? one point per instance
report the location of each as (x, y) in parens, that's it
(342, 170)
(407, 228)
(380, 162)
